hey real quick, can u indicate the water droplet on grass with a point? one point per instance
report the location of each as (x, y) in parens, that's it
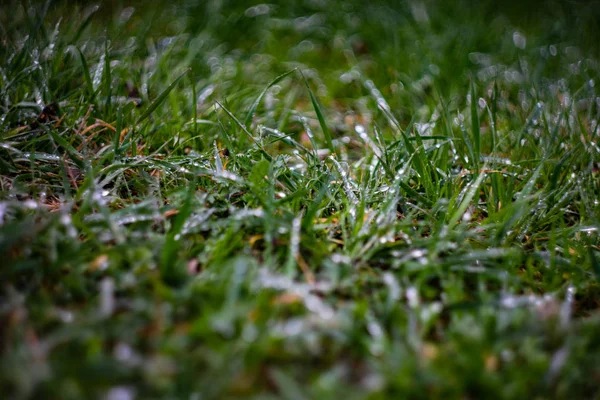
(30, 204)
(393, 287)
(120, 393)
(107, 297)
(255, 11)
(66, 316)
(412, 295)
(126, 14)
(97, 79)
(519, 40)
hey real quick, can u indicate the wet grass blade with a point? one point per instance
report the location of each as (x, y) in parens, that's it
(320, 116)
(315, 204)
(85, 24)
(195, 112)
(476, 128)
(421, 162)
(246, 131)
(117, 134)
(252, 109)
(71, 151)
(470, 194)
(494, 116)
(594, 262)
(170, 269)
(158, 101)
(88, 79)
(107, 82)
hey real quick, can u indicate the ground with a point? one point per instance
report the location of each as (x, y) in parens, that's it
(312, 199)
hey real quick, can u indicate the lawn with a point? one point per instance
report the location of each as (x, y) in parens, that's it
(319, 199)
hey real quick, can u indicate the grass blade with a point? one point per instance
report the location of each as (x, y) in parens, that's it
(252, 109)
(471, 192)
(476, 128)
(246, 131)
(317, 108)
(71, 151)
(85, 23)
(494, 115)
(88, 78)
(107, 81)
(158, 101)
(594, 262)
(169, 268)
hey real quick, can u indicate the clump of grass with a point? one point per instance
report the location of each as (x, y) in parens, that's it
(299, 201)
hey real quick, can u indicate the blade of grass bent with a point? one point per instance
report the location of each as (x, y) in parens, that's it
(84, 24)
(161, 97)
(252, 109)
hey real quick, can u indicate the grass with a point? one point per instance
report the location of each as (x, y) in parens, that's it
(299, 200)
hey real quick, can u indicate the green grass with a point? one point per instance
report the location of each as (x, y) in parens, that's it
(319, 199)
